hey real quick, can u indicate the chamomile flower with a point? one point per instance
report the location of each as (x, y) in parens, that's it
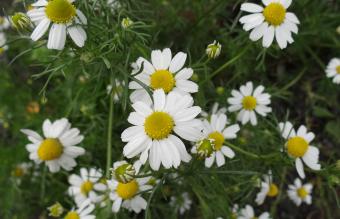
(249, 101)
(58, 148)
(268, 189)
(217, 131)
(20, 171)
(298, 147)
(164, 72)
(87, 186)
(60, 17)
(271, 21)
(4, 23)
(299, 193)
(333, 70)
(152, 133)
(83, 212)
(214, 110)
(213, 50)
(183, 202)
(127, 195)
(248, 213)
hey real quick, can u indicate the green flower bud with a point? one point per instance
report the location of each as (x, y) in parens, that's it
(55, 210)
(214, 50)
(205, 148)
(124, 173)
(20, 21)
(126, 23)
(220, 90)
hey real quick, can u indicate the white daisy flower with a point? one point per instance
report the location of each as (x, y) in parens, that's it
(214, 110)
(20, 171)
(4, 23)
(83, 212)
(298, 146)
(248, 101)
(213, 50)
(299, 193)
(127, 195)
(268, 188)
(271, 21)
(63, 17)
(87, 185)
(58, 148)
(183, 202)
(217, 131)
(333, 70)
(165, 72)
(248, 213)
(152, 133)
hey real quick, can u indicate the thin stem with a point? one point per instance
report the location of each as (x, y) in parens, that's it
(42, 185)
(236, 148)
(109, 135)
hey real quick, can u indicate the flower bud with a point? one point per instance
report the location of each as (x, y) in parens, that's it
(220, 90)
(123, 171)
(20, 21)
(213, 50)
(126, 23)
(55, 210)
(205, 148)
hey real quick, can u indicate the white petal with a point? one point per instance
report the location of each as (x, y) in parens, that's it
(210, 160)
(228, 152)
(40, 30)
(77, 34)
(258, 32)
(177, 62)
(57, 37)
(157, 59)
(268, 37)
(159, 99)
(184, 74)
(251, 7)
(299, 168)
(220, 160)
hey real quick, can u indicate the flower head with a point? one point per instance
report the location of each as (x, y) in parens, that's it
(58, 148)
(271, 21)
(213, 50)
(248, 213)
(268, 189)
(126, 22)
(83, 212)
(300, 193)
(249, 101)
(56, 210)
(333, 70)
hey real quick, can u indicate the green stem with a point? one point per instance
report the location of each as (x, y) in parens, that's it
(236, 148)
(109, 136)
(42, 185)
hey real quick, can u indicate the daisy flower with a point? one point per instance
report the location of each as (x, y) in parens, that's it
(299, 193)
(248, 101)
(183, 202)
(248, 213)
(127, 195)
(268, 188)
(213, 50)
(164, 72)
(4, 23)
(217, 131)
(152, 133)
(63, 18)
(58, 148)
(298, 146)
(214, 110)
(86, 186)
(83, 212)
(271, 21)
(333, 70)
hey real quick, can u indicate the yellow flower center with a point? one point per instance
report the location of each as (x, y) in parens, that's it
(158, 125)
(18, 172)
(302, 193)
(127, 190)
(297, 146)
(273, 190)
(162, 79)
(249, 103)
(218, 139)
(50, 149)
(86, 187)
(338, 69)
(274, 14)
(60, 11)
(72, 215)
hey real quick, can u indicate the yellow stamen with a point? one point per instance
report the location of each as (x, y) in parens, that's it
(297, 146)
(127, 190)
(50, 149)
(274, 13)
(218, 139)
(72, 215)
(60, 11)
(249, 103)
(302, 193)
(158, 125)
(273, 190)
(86, 187)
(162, 79)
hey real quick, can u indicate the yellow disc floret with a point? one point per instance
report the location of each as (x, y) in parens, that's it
(273, 190)
(86, 187)
(218, 139)
(162, 79)
(18, 172)
(302, 193)
(297, 146)
(158, 125)
(60, 11)
(274, 13)
(50, 149)
(72, 215)
(249, 102)
(127, 190)
(338, 69)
